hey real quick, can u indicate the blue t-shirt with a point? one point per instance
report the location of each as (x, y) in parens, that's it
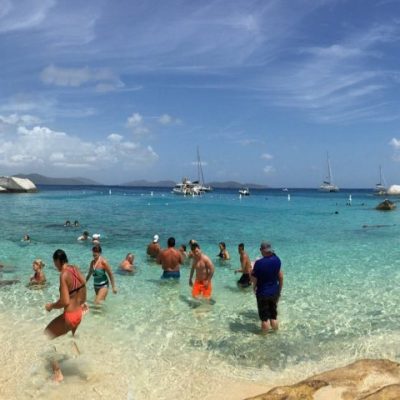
(266, 270)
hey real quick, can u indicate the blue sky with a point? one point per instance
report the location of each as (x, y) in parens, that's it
(124, 90)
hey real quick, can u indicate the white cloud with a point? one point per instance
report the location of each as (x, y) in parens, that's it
(104, 79)
(267, 156)
(42, 147)
(166, 119)
(269, 169)
(17, 119)
(395, 143)
(136, 122)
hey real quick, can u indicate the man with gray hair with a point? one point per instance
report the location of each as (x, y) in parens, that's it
(267, 278)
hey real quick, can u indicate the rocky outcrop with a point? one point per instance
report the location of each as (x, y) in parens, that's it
(16, 185)
(362, 380)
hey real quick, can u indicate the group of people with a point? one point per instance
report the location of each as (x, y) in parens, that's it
(265, 276)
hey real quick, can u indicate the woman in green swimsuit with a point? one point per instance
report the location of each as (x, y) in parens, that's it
(102, 275)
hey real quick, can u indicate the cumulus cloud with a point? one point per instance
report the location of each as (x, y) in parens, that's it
(269, 169)
(395, 143)
(103, 79)
(267, 156)
(8, 122)
(166, 119)
(43, 147)
(136, 122)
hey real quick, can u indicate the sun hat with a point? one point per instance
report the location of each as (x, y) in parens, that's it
(156, 238)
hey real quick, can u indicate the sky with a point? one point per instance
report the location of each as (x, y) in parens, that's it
(124, 90)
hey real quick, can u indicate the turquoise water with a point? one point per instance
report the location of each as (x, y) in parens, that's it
(339, 303)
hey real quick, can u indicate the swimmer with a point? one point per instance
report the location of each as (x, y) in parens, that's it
(96, 238)
(72, 300)
(76, 224)
(204, 269)
(26, 239)
(128, 264)
(85, 236)
(191, 243)
(67, 224)
(245, 270)
(170, 260)
(154, 248)
(100, 268)
(182, 250)
(38, 277)
(223, 253)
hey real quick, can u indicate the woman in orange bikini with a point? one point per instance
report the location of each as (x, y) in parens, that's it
(72, 300)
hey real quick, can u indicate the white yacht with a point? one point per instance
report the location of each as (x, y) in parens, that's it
(12, 184)
(244, 192)
(187, 188)
(327, 184)
(380, 188)
(200, 175)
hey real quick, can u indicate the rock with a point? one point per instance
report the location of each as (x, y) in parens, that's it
(361, 380)
(386, 205)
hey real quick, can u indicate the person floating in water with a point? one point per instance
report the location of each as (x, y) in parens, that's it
(128, 264)
(245, 268)
(170, 260)
(223, 252)
(67, 224)
(38, 277)
(72, 300)
(96, 238)
(76, 224)
(26, 239)
(154, 248)
(267, 278)
(182, 250)
(84, 237)
(102, 275)
(204, 269)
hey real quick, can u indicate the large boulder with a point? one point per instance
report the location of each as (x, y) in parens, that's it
(361, 380)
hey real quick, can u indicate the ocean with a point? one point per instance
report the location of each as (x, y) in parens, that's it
(150, 341)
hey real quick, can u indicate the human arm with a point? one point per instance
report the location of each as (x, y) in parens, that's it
(210, 271)
(63, 301)
(90, 272)
(280, 279)
(191, 275)
(110, 274)
(226, 255)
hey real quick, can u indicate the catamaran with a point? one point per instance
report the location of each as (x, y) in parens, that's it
(380, 188)
(200, 175)
(327, 184)
(244, 192)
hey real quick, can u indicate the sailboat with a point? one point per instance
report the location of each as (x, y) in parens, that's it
(327, 184)
(200, 175)
(380, 188)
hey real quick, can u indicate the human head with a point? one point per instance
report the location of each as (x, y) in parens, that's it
(38, 264)
(96, 250)
(191, 242)
(76, 223)
(67, 223)
(183, 247)
(27, 238)
(130, 257)
(266, 248)
(156, 238)
(171, 242)
(196, 249)
(60, 258)
(86, 234)
(222, 245)
(240, 247)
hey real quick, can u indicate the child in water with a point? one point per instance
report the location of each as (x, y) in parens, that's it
(39, 276)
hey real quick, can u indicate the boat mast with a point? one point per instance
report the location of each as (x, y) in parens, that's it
(199, 168)
(329, 169)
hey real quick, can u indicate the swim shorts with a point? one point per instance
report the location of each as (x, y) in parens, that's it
(267, 307)
(244, 280)
(171, 275)
(200, 290)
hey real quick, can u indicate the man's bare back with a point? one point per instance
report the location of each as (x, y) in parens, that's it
(245, 263)
(153, 250)
(170, 259)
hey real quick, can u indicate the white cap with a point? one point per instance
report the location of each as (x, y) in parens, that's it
(96, 236)
(156, 238)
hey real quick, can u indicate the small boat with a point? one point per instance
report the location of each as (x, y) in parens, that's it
(285, 190)
(187, 188)
(244, 192)
(327, 184)
(386, 205)
(380, 188)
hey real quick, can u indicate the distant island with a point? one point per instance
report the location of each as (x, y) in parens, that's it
(39, 179)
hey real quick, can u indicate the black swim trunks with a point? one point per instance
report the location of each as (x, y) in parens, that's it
(267, 307)
(244, 280)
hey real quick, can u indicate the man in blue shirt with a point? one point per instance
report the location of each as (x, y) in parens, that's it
(267, 278)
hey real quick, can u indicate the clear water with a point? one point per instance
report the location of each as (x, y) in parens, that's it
(340, 297)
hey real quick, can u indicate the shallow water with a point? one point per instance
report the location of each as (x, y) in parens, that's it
(150, 341)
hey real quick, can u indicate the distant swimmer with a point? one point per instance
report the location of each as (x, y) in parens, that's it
(223, 252)
(96, 238)
(170, 260)
(76, 224)
(72, 300)
(67, 224)
(102, 275)
(204, 269)
(38, 277)
(182, 250)
(128, 265)
(154, 248)
(191, 243)
(267, 278)
(245, 268)
(84, 237)
(26, 239)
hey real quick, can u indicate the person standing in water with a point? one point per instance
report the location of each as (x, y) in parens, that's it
(223, 252)
(204, 269)
(72, 300)
(128, 264)
(267, 278)
(102, 275)
(154, 248)
(170, 260)
(245, 270)
(38, 277)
